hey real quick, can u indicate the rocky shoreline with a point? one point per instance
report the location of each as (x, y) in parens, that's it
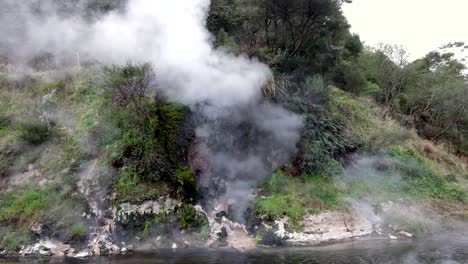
(331, 227)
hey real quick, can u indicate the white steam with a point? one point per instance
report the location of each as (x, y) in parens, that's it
(246, 138)
(169, 34)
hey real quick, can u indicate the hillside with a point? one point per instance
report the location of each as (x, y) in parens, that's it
(276, 127)
(71, 159)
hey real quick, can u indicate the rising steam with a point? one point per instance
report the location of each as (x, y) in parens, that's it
(245, 138)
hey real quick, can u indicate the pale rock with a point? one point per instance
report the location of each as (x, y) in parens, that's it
(45, 251)
(82, 254)
(329, 226)
(37, 229)
(406, 234)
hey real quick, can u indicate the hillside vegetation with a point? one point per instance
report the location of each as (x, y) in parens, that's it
(377, 128)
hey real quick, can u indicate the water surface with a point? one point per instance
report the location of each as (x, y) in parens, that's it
(444, 249)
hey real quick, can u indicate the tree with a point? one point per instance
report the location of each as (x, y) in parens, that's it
(386, 66)
(437, 97)
(127, 86)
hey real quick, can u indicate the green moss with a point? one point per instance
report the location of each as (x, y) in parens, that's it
(186, 179)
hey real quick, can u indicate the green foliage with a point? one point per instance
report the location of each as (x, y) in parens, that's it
(7, 159)
(436, 98)
(11, 240)
(130, 188)
(322, 141)
(127, 86)
(78, 232)
(372, 89)
(25, 206)
(225, 41)
(34, 131)
(224, 16)
(398, 173)
(317, 88)
(296, 197)
(314, 41)
(4, 122)
(189, 218)
(65, 154)
(423, 181)
(360, 120)
(282, 205)
(350, 77)
(187, 182)
(151, 138)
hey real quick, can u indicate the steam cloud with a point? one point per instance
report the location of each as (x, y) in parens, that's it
(245, 137)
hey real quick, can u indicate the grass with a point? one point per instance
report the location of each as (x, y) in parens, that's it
(399, 172)
(78, 232)
(129, 188)
(285, 195)
(364, 121)
(11, 240)
(25, 207)
(423, 180)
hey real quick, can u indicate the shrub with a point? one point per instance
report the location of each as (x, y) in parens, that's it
(372, 89)
(186, 180)
(78, 232)
(127, 86)
(34, 131)
(350, 77)
(4, 121)
(189, 218)
(7, 158)
(322, 141)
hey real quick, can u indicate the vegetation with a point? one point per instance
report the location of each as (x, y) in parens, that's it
(77, 232)
(404, 124)
(13, 240)
(284, 195)
(190, 218)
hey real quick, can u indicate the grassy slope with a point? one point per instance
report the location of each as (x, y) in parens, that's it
(78, 127)
(419, 170)
(54, 124)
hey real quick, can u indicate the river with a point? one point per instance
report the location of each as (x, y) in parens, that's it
(442, 249)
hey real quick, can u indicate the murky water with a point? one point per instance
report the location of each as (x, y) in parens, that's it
(445, 250)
